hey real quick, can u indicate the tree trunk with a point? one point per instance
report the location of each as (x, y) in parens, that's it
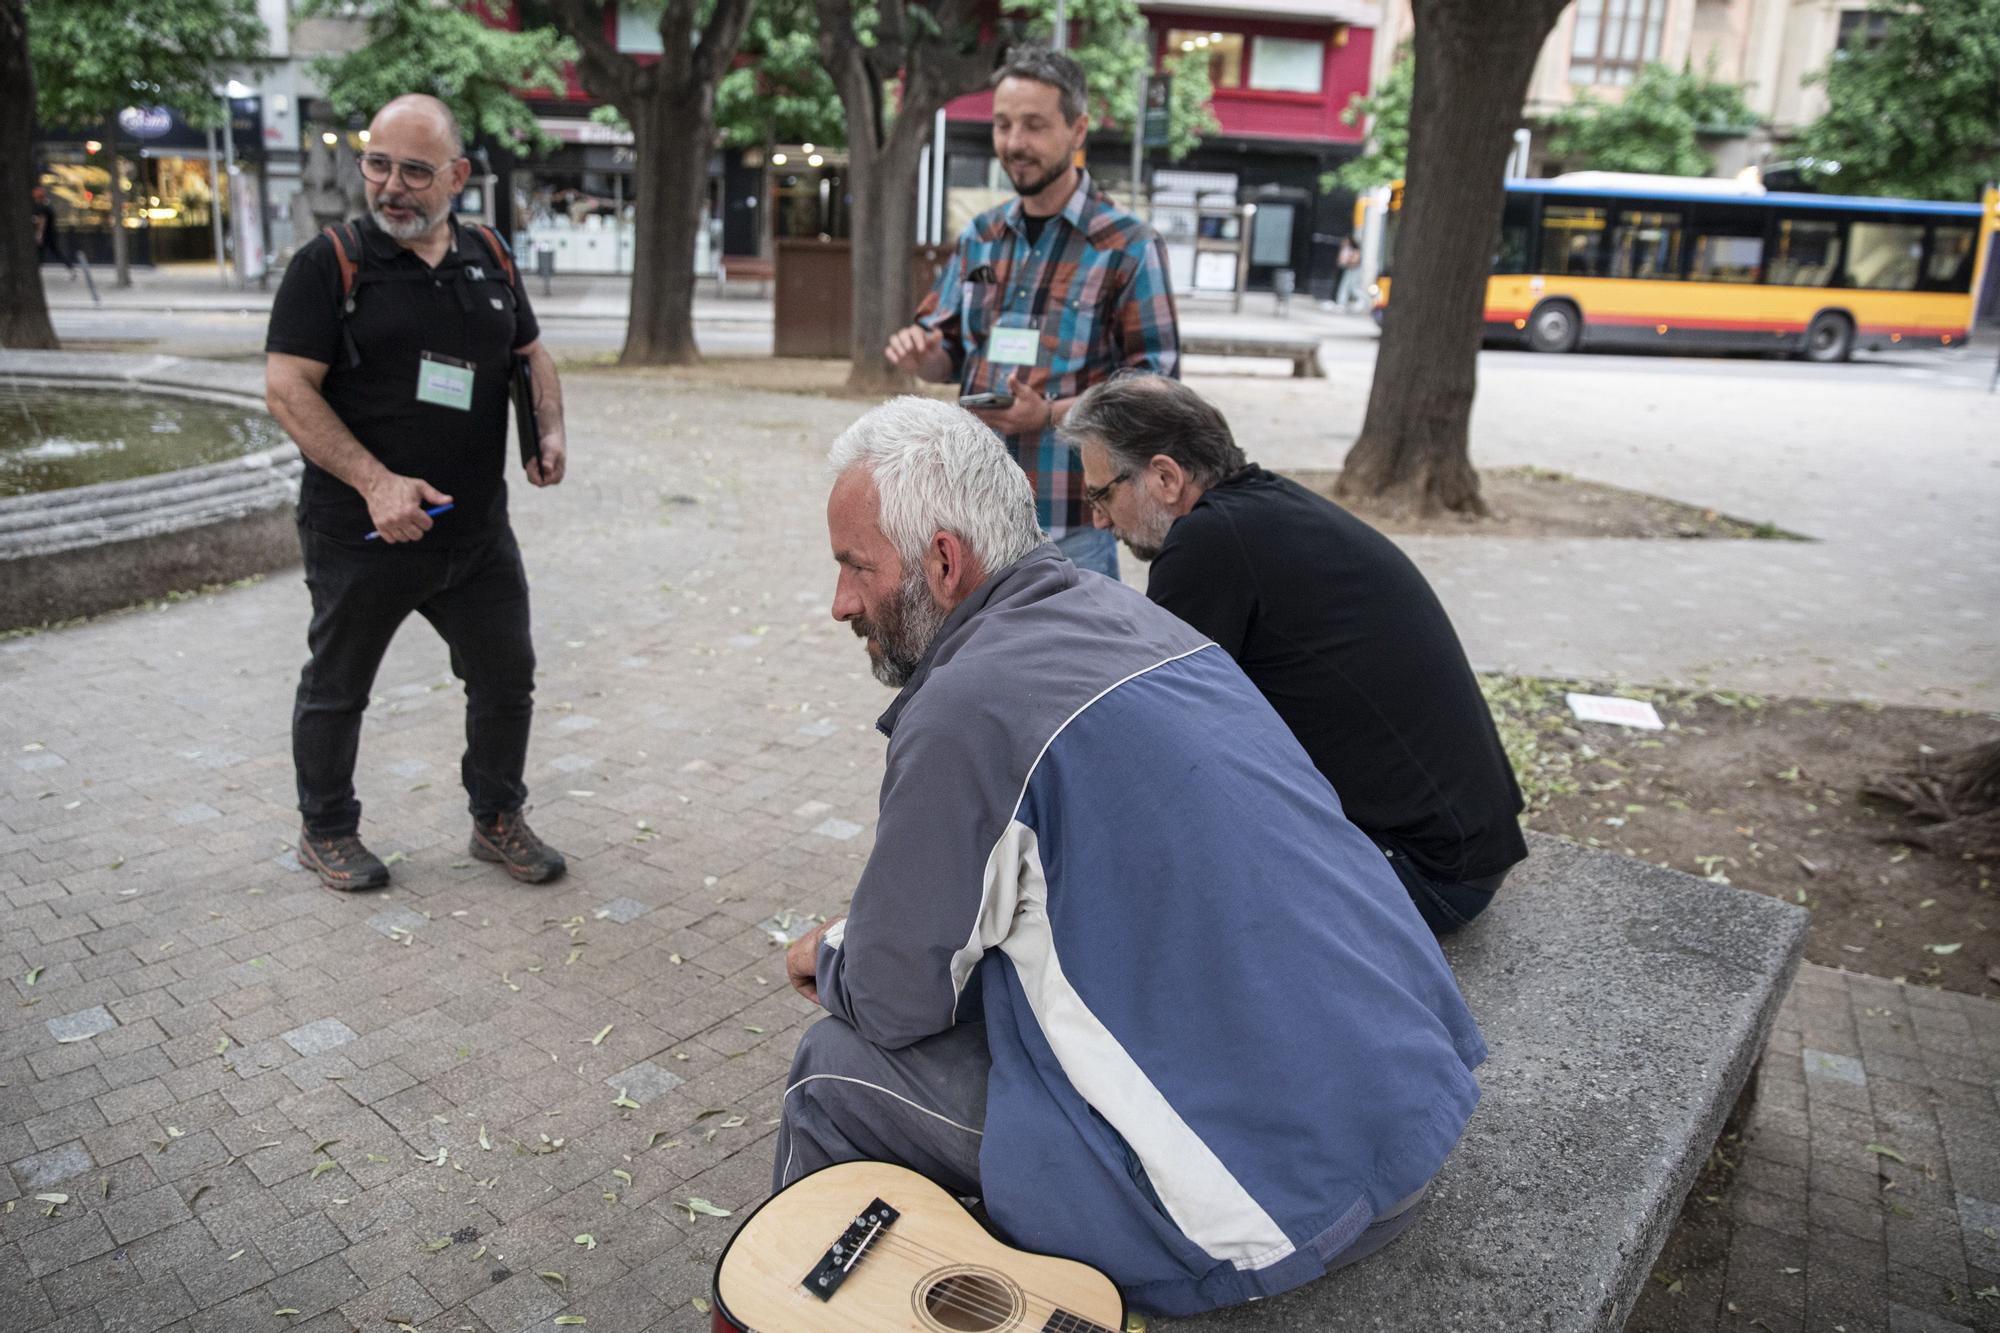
(884, 230)
(671, 142)
(1473, 62)
(24, 308)
(121, 255)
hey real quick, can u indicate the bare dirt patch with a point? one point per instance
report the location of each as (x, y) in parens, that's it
(1539, 502)
(1767, 794)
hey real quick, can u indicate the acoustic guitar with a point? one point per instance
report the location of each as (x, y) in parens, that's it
(865, 1247)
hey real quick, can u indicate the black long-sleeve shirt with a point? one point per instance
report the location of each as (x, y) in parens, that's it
(1339, 630)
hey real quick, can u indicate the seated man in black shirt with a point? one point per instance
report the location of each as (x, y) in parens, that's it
(1328, 618)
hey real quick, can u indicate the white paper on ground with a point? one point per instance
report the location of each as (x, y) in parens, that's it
(1619, 712)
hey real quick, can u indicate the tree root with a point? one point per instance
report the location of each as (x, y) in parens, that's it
(1956, 796)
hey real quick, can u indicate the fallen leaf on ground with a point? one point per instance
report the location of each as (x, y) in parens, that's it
(703, 1208)
(598, 1040)
(588, 1241)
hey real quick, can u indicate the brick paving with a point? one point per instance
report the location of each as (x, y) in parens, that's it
(1864, 1195)
(257, 1096)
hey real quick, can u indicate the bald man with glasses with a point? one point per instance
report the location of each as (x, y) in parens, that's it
(392, 346)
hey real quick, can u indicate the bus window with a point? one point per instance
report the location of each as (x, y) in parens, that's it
(1511, 255)
(1646, 245)
(1948, 267)
(1572, 240)
(1727, 249)
(1808, 254)
(1883, 256)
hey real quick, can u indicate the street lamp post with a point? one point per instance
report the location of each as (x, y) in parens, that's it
(228, 92)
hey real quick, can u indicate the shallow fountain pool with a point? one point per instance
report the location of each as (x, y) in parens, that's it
(54, 438)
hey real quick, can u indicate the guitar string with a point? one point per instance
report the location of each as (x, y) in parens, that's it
(953, 1299)
(913, 1248)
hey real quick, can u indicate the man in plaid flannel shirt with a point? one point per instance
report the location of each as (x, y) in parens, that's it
(1046, 296)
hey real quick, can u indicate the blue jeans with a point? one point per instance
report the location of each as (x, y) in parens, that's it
(1094, 549)
(1444, 907)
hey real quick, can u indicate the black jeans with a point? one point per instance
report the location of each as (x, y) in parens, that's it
(1444, 907)
(475, 595)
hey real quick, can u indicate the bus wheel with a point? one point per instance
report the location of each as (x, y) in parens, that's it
(1830, 337)
(1556, 326)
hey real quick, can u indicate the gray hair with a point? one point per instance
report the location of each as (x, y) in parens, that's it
(1033, 61)
(937, 468)
(1137, 415)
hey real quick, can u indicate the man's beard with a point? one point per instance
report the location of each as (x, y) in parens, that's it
(419, 222)
(1042, 182)
(909, 624)
(1145, 537)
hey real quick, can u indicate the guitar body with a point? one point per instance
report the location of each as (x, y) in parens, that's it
(894, 1253)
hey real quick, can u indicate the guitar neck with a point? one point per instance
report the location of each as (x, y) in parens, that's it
(1062, 1321)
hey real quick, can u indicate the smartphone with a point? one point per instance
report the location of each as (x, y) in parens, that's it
(993, 400)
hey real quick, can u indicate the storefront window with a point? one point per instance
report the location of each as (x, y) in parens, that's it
(1224, 51)
(1286, 64)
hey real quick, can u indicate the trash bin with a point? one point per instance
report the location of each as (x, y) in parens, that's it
(1283, 283)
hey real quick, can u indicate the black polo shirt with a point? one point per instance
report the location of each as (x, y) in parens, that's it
(1341, 633)
(462, 309)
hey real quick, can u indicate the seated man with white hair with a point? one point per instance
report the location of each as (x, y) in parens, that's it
(1116, 964)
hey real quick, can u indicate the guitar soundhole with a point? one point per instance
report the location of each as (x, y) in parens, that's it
(969, 1300)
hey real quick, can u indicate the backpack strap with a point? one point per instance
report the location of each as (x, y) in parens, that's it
(501, 254)
(346, 239)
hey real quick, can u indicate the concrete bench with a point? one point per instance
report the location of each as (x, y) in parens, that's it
(1625, 1008)
(1303, 353)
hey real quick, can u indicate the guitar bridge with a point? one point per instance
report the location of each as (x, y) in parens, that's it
(846, 1252)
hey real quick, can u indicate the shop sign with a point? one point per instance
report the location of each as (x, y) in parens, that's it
(146, 122)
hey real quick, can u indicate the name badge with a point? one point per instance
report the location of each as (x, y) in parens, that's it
(444, 380)
(1014, 346)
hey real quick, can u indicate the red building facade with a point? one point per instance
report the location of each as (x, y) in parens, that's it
(1282, 72)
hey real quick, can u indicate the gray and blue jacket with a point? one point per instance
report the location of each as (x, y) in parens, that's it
(1223, 1040)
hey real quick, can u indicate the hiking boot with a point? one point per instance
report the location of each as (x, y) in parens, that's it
(341, 862)
(508, 840)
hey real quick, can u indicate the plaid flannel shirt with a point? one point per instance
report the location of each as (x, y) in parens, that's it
(1096, 286)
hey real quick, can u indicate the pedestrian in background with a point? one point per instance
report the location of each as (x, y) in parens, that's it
(1045, 296)
(1349, 261)
(47, 244)
(391, 350)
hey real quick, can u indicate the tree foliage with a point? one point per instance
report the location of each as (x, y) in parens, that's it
(780, 93)
(1916, 113)
(446, 50)
(91, 59)
(1386, 111)
(1655, 128)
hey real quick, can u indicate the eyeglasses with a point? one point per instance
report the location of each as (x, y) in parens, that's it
(377, 167)
(1096, 496)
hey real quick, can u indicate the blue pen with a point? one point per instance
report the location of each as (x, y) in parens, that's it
(433, 511)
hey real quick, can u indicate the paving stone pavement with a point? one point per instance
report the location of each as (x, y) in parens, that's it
(1865, 1193)
(258, 1096)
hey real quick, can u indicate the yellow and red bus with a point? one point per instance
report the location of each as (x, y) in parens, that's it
(1601, 259)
